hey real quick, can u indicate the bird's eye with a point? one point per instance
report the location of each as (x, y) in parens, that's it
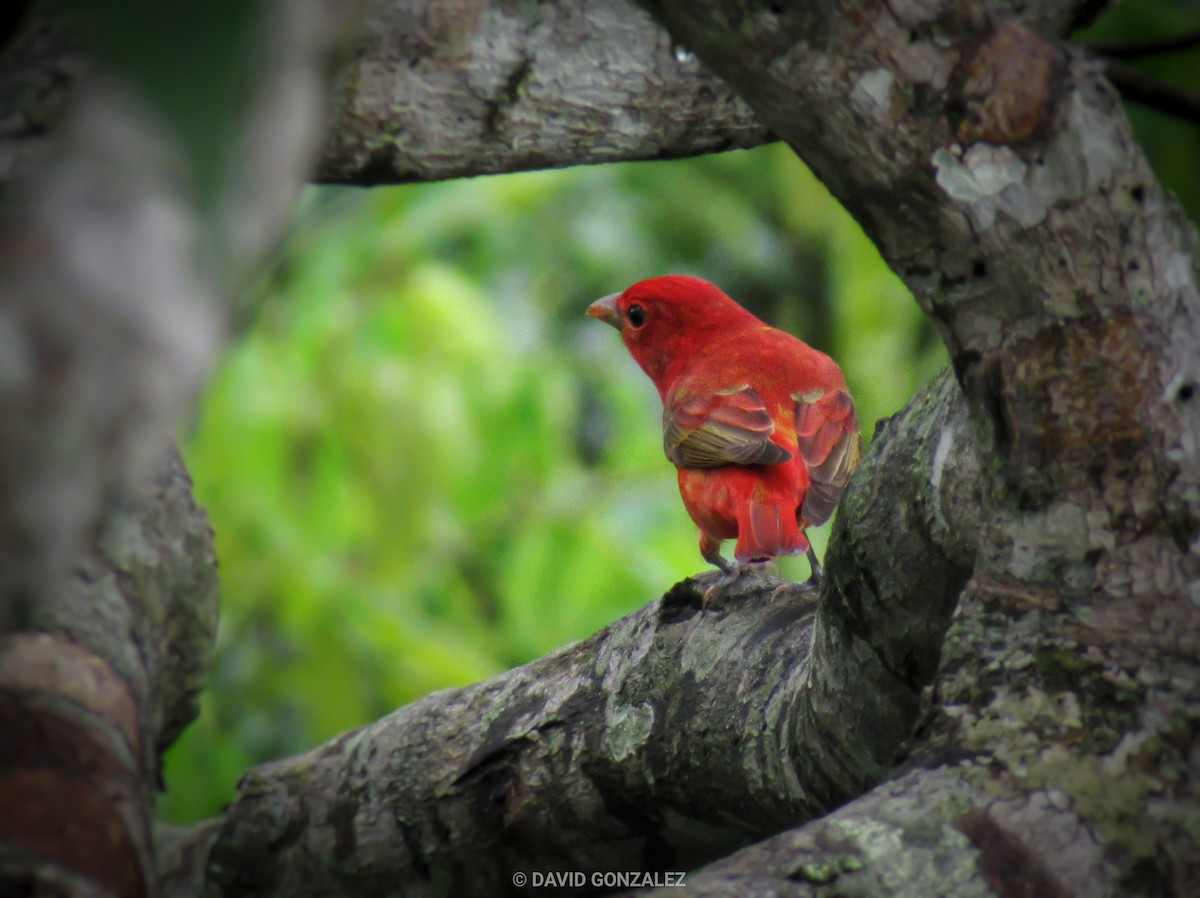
(637, 315)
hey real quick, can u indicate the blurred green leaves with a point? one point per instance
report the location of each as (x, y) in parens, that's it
(425, 465)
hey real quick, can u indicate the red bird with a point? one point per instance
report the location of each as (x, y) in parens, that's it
(759, 424)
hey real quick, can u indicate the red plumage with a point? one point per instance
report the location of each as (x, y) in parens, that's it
(759, 424)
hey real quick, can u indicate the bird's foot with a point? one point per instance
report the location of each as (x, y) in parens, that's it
(731, 571)
(809, 589)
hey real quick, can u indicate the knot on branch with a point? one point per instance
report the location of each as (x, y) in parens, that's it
(1003, 89)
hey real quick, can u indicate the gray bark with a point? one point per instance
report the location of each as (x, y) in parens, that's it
(446, 90)
(115, 279)
(926, 832)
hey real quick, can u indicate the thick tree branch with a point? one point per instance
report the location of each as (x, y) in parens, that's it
(926, 834)
(901, 551)
(444, 90)
(114, 306)
(107, 674)
(667, 739)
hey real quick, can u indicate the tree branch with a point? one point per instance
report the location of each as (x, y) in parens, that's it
(667, 739)
(106, 675)
(113, 309)
(445, 90)
(924, 834)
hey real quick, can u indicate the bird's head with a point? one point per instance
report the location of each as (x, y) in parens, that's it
(667, 321)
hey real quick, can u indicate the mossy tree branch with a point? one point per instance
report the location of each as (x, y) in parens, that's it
(666, 740)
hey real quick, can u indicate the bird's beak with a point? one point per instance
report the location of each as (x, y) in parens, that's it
(605, 309)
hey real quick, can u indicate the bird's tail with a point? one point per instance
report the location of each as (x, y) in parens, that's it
(768, 530)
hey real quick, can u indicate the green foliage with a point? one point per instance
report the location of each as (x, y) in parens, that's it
(424, 464)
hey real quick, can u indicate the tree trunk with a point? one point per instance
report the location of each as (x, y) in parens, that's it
(113, 308)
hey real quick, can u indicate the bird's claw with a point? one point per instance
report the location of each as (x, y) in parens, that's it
(810, 588)
(730, 571)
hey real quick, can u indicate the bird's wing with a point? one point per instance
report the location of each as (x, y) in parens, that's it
(729, 427)
(827, 437)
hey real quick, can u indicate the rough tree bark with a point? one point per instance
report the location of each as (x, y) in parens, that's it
(997, 174)
(113, 307)
(448, 90)
(106, 673)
